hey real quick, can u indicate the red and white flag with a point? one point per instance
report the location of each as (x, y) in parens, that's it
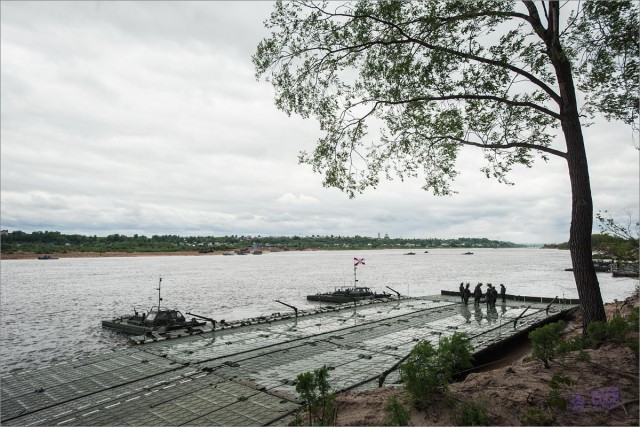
(358, 261)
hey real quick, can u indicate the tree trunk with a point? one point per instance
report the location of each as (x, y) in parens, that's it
(581, 225)
(581, 203)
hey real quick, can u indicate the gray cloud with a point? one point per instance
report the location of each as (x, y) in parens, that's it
(145, 117)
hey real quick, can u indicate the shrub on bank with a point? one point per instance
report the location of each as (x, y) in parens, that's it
(428, 371)
(470, 414)
(314, 390)
(396, 414)
(546, 340)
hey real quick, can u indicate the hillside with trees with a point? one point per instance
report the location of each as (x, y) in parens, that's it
(612, 247)
(56, 242)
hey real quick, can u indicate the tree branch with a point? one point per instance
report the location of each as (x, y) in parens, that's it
(476, 97)
(485, 14)
(533, 79)
(512, 145)
(533, 19)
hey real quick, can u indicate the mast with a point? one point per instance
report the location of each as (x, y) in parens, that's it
(356, 261)
(159, 299)
(355, 277)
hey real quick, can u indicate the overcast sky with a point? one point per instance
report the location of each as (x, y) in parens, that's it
(146, 118)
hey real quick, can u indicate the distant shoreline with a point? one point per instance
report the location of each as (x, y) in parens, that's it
(75, 254)
(79, 254)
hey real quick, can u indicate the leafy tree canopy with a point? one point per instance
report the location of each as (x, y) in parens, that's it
(620, 239)
(606, 50)
(435, 76)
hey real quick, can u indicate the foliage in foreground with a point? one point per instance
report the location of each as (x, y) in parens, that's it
(556, 401)
(396, 414)
(470, 414)
(556, 397)
(314, 390)
(548, 343)
(428, 371)
(535, 417)
(545, 341)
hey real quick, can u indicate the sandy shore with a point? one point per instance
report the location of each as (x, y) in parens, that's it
(518, 393)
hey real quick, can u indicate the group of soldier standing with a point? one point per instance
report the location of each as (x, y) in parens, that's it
(491, 294)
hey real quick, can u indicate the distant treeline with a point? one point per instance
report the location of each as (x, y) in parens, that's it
(53, 241)
(606, 246)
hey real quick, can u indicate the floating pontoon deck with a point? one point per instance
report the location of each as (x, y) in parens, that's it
(244, 374)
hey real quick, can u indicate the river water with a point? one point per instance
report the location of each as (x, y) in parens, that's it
(51, 310)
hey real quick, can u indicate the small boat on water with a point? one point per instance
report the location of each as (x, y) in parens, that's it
(468, 253)
(624, 269)
(347, 294)
(158, 322)
(46, 257)
(410, 253)
(353, 293)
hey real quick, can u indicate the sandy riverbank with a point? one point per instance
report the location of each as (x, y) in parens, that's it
(518, 393)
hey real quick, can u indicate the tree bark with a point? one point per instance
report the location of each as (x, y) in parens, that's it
(581, 225)
(581, 203)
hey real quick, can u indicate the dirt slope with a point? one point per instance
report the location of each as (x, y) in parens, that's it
(604, 390)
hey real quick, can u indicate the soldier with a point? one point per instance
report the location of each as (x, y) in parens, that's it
(467, 293)
(503, 293)
(488, 295)
(477, 294)
(494, 296)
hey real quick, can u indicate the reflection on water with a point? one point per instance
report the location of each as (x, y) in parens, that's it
(464, 312)
(51, 310)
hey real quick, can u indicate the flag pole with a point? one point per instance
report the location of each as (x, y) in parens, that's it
(356, 261)
(355, 277)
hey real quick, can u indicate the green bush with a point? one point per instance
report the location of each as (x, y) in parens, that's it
(396, 414)
(633, 319)
(558, 381)
(634, 345)
(296, 421)
(633, 327)
(314, 389)
(557, 400)
(470, 414)
(615, 330)
(546, 341)
(455, 353)
(428, 371)
(535, 417)
(596, 332)
(420, 375)
(583, 356)
(575, 343)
